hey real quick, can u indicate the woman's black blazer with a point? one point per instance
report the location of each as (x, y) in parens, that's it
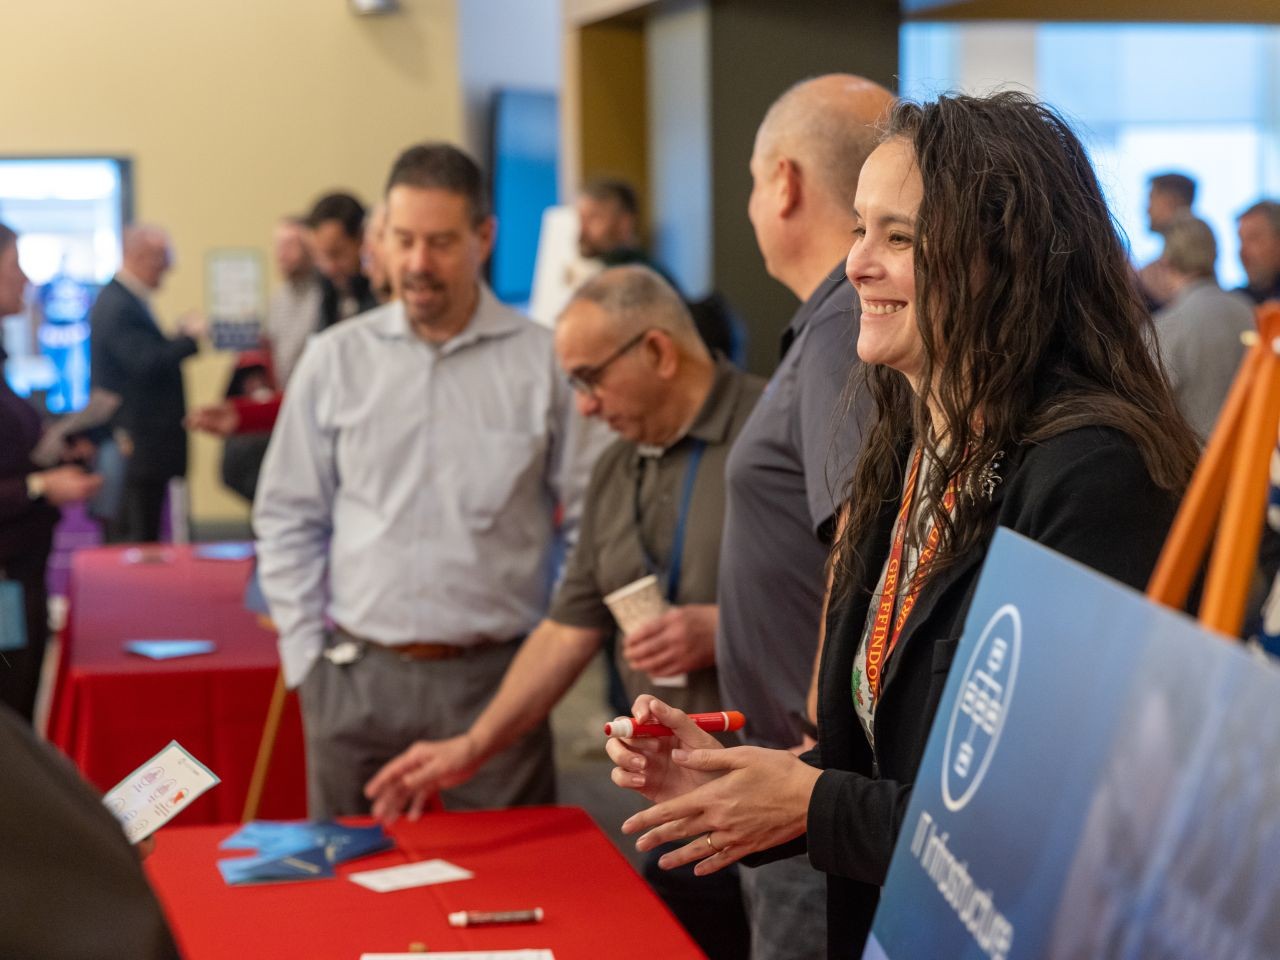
(1085, 493)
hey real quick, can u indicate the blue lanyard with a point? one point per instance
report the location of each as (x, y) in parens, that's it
(672, 575)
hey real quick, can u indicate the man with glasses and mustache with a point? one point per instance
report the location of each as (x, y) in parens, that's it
(654, 506)
(406, 508)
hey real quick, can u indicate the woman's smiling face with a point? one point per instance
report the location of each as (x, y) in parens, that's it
(881, 262)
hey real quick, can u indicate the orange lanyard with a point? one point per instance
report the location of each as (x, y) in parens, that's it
(881, 632)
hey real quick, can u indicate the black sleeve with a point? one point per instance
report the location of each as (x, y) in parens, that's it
(853, 824)
(142, 351)
(1094, 501)
(13, 497)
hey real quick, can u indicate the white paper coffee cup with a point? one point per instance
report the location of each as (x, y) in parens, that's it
(636, 604)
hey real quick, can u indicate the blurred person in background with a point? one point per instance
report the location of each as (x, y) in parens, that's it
(609, 232)
(29, 501)
(336, 237)
(296, 313)
(293, 313)
(1199, 331)
(371, 255)
(1170, 199)
(1260, 250)
(134, 360)
(609, 224)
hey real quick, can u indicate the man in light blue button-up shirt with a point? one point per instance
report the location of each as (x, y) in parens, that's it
(406, 510)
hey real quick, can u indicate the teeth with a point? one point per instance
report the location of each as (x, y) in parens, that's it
(881, 309)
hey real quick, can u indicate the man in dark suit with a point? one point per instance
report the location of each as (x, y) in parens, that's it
(336, 226)
(132, 359)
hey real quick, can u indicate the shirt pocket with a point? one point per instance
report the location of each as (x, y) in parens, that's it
(501, 473)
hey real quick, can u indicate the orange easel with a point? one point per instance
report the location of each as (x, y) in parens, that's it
(1229, 487)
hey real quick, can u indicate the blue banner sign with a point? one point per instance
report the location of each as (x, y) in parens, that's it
(1102, 780)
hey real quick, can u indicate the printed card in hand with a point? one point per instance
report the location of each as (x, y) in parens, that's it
(158, 791)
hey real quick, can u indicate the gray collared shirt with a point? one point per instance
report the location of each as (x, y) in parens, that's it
(784, 479)
(409, 489)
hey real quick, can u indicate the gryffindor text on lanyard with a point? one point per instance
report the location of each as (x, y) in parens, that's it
(886, 628)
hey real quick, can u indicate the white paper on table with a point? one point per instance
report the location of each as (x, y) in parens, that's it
(465, 955)
(157, 791)
(636, 604)
(406, 875)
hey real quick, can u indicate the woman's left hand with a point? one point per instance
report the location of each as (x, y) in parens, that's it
(760, 800)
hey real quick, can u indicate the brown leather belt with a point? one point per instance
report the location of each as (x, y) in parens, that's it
(422, 650)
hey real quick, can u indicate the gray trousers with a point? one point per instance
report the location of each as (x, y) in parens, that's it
(786, 905)
(357, 716)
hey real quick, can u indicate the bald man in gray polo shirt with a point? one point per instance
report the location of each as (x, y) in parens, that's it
(788, 470)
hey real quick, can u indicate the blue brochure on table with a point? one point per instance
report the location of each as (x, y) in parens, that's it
(231, 550)
(169, 649)
(297, 850)
(1102, 780)
(306, 864)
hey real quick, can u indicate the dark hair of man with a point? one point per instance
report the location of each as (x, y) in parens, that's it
(1030, 320)
(1265, 208)
(1176, 184)
(442, 166)
(620, 192)
(344, 208)
(7, 238)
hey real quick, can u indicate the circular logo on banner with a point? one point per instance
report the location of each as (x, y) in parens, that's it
(978, 715)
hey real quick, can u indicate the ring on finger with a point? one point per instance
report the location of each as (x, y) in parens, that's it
(707, 837)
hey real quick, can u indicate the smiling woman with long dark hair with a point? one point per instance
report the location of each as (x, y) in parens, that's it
(1009, 363)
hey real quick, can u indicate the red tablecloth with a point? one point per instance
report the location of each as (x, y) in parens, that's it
(596, 906)
(112, 710)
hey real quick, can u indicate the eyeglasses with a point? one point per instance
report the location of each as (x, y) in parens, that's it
(585, 380)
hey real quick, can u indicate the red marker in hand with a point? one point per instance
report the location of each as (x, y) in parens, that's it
(720, 722)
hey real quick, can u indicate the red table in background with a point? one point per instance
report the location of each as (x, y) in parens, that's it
(113, 710)
(596, 906)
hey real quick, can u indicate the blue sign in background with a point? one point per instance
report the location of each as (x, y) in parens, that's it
(1102, 780)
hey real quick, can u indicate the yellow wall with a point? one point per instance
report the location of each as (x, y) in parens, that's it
(234, 111)
(610, 101)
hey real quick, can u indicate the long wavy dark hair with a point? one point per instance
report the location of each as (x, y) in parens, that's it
(1028, 312)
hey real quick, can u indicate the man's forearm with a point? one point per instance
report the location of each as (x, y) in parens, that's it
(549, 662)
